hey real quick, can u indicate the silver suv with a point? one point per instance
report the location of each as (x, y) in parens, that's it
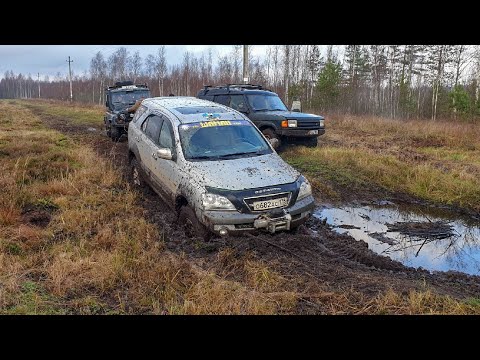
(213, 166)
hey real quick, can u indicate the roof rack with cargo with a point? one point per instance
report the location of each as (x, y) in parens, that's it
(126, 84)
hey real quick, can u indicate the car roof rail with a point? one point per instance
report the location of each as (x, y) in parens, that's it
(119, 85)
(236, 86)
(245, 86)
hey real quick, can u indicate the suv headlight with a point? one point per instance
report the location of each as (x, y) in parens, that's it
(305, 190)
(289, 123)
(322, 123)
(292, 123)
(216, 202)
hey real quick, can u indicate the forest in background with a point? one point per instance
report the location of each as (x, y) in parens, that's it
(395, 81)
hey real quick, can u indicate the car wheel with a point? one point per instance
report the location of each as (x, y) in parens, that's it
(311, 142)
(192, 226)
(136, 175)
(115, 133)
(272, 137)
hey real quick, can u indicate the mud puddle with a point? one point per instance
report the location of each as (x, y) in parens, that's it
(414, 236)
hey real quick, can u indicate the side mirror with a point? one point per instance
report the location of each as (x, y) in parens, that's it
(165, 153)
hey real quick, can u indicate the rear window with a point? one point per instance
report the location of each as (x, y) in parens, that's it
(199, 110)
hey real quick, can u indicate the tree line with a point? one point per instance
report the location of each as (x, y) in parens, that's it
(396, 81)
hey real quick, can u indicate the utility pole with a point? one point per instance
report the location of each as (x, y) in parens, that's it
(38, 82)
(70, 75)
(245, 64)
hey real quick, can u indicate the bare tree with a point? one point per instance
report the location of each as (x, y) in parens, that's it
(161, 68)
(286, 70)
(117, 64)
(135, 66)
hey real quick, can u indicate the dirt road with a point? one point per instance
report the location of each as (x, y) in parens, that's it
(313, 257)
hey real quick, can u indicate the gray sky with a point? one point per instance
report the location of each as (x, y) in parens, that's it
(50, 59)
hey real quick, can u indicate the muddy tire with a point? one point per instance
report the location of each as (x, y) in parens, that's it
(272, 137)
(136, 175)
(311, 142)
(108, 129)
(192, 226)
(115, 133)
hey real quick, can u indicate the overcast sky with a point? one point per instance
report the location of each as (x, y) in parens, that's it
(50, 59)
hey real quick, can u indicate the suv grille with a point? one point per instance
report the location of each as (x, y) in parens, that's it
(249, 201)
(313, 124)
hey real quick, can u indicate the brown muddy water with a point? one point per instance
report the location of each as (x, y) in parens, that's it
(434, 240)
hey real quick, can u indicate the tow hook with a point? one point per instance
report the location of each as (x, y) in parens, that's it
(274, 221)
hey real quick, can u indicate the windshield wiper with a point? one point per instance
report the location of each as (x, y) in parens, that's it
(256, 153)
(203, 157)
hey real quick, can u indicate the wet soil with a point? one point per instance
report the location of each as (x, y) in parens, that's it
(314, 255)
(39, 218)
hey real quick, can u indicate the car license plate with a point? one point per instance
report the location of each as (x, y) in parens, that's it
(270, 204)
(312, 132)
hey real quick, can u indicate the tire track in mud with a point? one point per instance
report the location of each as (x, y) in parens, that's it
(313, 252)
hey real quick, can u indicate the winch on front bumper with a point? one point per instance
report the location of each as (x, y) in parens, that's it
(274, 221)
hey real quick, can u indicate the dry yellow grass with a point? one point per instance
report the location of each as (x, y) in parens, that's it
(435, 161)
(99, 255)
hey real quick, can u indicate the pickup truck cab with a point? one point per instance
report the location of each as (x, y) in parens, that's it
(268, 112)
(214, 168)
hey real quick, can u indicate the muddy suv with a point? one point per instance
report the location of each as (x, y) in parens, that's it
(119, 99)
(214, 168)
(268, 113)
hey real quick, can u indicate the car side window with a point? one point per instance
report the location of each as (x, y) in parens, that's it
(237, 102)
(144, 124)
(166, 135)
(139, 113)
(152, 129)
(222, 99)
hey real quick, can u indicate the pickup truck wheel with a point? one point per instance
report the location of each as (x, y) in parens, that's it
(272, 137)
(115, 133)
(192, 226)
(136, 175)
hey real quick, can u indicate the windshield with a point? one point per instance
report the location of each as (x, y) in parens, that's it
(266, 103)
(221, 139)
(125, 99)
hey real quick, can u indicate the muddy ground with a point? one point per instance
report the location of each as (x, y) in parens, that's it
(314, 253)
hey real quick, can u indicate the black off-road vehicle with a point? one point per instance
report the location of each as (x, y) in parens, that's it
(268, 113)
(119, 99)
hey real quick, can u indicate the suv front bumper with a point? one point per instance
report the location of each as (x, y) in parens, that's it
(298, 132)
(236, 222)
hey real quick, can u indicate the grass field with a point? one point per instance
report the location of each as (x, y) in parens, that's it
(73, 238)
(97, 254)
(434, 161)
